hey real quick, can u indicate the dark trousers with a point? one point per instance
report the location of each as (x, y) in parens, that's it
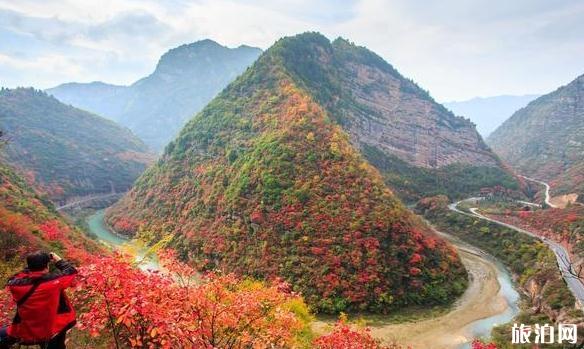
(58, 342)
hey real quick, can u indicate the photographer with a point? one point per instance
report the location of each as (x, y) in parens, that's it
(44, 314)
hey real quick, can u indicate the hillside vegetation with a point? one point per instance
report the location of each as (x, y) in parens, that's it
(67, 151)
(119, 304)
(29, 222)
(265, 182)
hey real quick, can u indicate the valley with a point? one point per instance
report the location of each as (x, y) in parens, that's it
(563, 256)
(489, 300)
(97, 227)
(302, 194)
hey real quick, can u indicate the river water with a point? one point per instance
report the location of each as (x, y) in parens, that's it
(482, 328)
(477, 329)
(97, 226)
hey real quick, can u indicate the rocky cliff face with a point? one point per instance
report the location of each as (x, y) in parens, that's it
(545, 140)
(401, 120)
(381, 108)
(416, 143)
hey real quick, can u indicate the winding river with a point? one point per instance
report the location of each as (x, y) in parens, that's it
(490, 299)
(97, 227)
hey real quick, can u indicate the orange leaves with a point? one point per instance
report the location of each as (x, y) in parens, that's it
(257, 217)
(573, 217)
(15, 223)
(126, 225)
(156, 309)
(52, 230)
(7, 306)
(415, 271)
(345, 336)
(524, 214)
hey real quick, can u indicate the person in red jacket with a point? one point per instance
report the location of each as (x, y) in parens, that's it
(44, 313)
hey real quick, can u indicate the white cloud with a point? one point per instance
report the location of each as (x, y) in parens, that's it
(454, 48)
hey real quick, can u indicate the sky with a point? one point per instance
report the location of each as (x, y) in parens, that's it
(455, 49)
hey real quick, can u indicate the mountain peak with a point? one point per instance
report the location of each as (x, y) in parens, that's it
(190, 57)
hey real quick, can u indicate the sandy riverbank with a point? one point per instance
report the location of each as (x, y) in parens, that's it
(481, 300)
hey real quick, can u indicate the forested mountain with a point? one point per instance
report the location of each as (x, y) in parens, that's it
(67, 151)
(265, 182)
(545, 139)
(488, 113)
(419, 146)
(156, 107)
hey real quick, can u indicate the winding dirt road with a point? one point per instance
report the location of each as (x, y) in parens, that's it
(547, 190)
(88, 199)
(564, 262)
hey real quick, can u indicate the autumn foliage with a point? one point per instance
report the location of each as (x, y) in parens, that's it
(478, 344)
(28, 223)
(345, 336)
(122, 306)
(559, 224)
(171, 309)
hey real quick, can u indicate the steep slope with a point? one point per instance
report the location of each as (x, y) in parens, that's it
(264, 182)
(420, 147)
(67, 151)
(29, 222)
(156, 107)
(545, 140)
(488, 113)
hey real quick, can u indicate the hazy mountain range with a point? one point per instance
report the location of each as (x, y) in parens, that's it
(489, 112)
(155, 107)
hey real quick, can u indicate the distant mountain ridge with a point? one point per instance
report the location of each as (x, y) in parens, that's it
(488, 113)
(157, 106)
(545, 140)
(68, 151)
(97, 97)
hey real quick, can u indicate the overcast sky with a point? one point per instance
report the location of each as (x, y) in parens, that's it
(456, 49)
